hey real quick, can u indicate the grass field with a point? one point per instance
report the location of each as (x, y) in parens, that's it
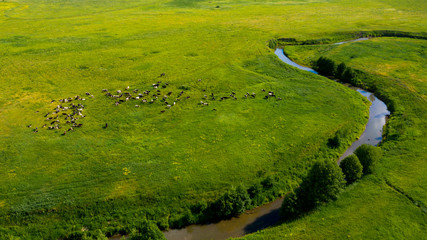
(391, 204)
(156, 165)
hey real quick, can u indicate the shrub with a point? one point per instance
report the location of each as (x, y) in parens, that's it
(322, 184)
(231, 203)
(340, 70)
(272, 43)
(351, 168)
(146, 231)
(368, 156)
(290, 207)
(326, 66)
(338, 139)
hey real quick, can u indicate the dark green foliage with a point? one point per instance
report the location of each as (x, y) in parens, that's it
(272, 43)
(368, 156)
(322, 184)
(231, 203)
(334, 142)
(350, 76)
(146, 231)
(338, 139)
(290, 207)
(326, 66)
(341, 68)
(268, 182)
(351, 168)
(254, 190)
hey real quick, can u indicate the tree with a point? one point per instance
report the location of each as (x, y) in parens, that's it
(351, 168)
(326, 66)
(340, 70)
(147, 230)
(231, 203)
(322, 184)
(290, 207)
(368, 156)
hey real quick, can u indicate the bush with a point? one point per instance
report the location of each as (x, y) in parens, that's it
(368, 156)
(351, 168)
(146, 231)
(290, 207)
(326, 66)
(340, 71)
(272, 43)
(232, 202)
(322, 184)
(338, 139)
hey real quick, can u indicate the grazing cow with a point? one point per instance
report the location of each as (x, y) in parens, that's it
(137, 106)
(71, 129)
(52, 101)
(65, 132)
(47, 114)
(127, 88)
(144, 100)
(105, 90)
(119, 91)
(87, 93)
(253, 94)
(199, 80)
(117, 104)
(162, 111)
(106, 125)
(44, 126)
(188, 97)
(163, 74)
(263, 90)
(214, 109)
(279, 98)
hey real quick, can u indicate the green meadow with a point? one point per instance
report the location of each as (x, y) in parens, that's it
(391, 203)
(158, 162)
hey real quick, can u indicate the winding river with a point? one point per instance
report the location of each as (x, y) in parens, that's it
(268, 215)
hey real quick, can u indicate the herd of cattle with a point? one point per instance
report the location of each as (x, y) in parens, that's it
(69, 111)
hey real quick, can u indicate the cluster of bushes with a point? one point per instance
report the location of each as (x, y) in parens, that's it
(233, 202)
(272, 43)
(328, 67)
(326, 179)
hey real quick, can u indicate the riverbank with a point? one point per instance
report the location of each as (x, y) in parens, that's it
(268, 214)
(373, 208)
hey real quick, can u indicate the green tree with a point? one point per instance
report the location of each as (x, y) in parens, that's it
(147, 230)
(290, 207)
(368, 156)
(322, 184)
(351, 168)
(231, 203)
(326, 66)
(340, 70)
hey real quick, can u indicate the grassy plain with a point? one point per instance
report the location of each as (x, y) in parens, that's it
(391, 203)
(153, 164)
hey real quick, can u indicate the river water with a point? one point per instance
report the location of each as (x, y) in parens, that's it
(268, 214)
